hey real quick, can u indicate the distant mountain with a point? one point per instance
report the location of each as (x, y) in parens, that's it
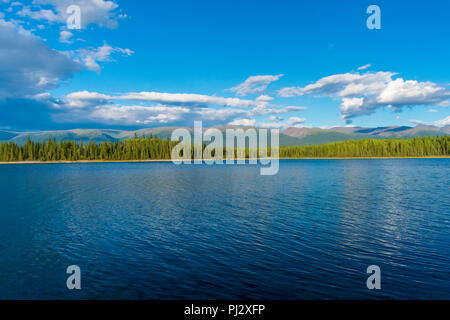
(288, 137)
(6, 136)
(96, 135)
(311, 136)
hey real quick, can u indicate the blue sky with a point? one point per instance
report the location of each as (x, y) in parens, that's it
(266, 63)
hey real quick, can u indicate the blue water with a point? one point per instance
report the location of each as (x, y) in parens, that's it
(160, 231)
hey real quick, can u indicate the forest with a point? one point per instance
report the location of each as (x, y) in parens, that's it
(154, 148)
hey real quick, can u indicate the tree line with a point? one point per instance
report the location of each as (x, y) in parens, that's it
(154, 148)
(414, 147)
(142, 148)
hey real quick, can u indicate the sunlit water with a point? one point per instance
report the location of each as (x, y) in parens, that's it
(160, 231)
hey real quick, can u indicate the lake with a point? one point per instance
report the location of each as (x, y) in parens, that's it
(161, 231)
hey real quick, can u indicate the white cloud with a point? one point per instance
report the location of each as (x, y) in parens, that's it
(263, 110)
(158, 114)
(189, 98)
(275, 118)
(223, 115)
(291, 122)
(439, 123)
(411, 92)
(85, 99)
(90, 57)
(295, 120)
(254, 85)
(443, 122)
(179, 108)
(353, 106)
(41, 14)
(364, 67)
(417, 122)
(363, 94)
(138, 114)
(169, 98)
(264, 98)
(347, 84)
(445, 103)
(87, 95)
(432, 110)
(271, 125)
(100, 12)
(243, 122)
(64, 36)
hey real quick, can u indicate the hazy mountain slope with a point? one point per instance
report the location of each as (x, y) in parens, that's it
(6, 135)
(299, 132)
(78, 135)
(354, 133)
(332, 136)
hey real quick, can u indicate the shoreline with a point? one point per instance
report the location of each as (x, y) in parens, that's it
(169, 160)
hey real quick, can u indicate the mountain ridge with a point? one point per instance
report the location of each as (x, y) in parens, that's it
(288, 136)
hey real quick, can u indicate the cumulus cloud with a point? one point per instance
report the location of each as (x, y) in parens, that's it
(85, 99)
(243, 122)
(42, 14)
(254, 85)
(295, 121)
(100, 12)
(65, 36)
(27, 65)
(90, 57)
(347, 84)
(363, 94)
(411, 92)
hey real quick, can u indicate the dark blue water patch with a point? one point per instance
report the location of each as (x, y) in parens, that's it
(161, 231)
